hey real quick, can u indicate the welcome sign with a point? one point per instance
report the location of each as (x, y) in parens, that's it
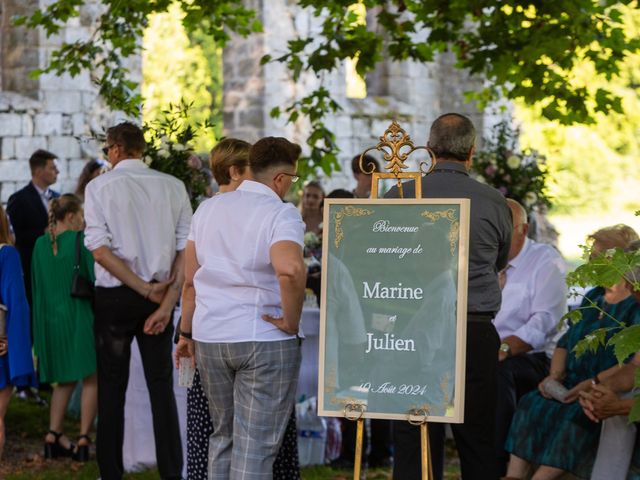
(393, 316)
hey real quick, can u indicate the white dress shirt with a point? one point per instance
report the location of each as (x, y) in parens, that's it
(142, 215)
(236, 283)
(534, 296)
(45, 196)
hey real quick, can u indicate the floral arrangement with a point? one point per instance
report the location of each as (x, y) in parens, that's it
(169, 149)
(518, 175)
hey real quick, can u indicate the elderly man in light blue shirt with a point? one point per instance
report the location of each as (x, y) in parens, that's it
(533, 300)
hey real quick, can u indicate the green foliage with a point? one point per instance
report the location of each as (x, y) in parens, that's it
(178, 66)
(518, 175)
(592, 342)
(116, 37)
(607, 269)
(529, 51)
(626, 342)
(170, 145)
(599, 160)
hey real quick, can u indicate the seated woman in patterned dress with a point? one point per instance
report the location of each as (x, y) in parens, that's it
(556, 435)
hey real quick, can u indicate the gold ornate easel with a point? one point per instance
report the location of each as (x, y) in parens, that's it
(396, 146)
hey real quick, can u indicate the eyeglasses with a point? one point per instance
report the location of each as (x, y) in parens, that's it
(294, 177)
(106, 149)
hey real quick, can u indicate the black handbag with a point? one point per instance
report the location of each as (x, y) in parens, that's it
(81, 287)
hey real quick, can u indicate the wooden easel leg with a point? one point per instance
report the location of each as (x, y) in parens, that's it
(358, 460)
(425, 453)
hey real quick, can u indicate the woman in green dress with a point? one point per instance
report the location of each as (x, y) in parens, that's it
(63, 325)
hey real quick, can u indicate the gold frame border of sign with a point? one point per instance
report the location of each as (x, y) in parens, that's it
(391, 144)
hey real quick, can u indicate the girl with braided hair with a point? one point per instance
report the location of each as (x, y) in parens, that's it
(63, 325)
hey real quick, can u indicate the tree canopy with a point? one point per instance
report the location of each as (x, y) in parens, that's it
(528, 50)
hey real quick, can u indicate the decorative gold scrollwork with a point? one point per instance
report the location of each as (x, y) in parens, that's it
(396, 146)
(454, 229)
(392, 144)
(347, 211)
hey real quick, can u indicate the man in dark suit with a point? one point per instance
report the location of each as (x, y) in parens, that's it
(452, 139)
(27, 208)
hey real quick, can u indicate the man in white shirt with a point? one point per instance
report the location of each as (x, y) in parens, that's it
(137, 226)
(533, 300)
(244, 289)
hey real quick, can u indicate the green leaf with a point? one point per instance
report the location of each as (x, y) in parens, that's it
(592, 342)
(626, 342)
(634, 414)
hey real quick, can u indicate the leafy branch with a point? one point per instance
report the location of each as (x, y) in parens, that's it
(527, 51)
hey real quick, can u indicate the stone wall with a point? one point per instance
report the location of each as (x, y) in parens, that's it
(413, 94)
(62, 113)
(57, 113)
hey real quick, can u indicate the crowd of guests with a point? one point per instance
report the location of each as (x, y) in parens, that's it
(238, 267)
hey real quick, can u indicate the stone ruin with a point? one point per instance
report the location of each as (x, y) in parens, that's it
(59, 113)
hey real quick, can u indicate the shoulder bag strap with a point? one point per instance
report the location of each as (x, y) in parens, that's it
(76, 263)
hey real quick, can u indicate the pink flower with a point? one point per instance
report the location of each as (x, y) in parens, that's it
(490, 170)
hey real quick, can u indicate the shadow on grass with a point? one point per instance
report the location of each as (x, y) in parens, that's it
(27, 422)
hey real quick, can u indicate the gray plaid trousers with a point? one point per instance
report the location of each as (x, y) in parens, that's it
(251, 390)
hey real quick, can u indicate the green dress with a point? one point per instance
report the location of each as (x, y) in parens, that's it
(62, 325)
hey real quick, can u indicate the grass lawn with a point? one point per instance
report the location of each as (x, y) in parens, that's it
(27, 422)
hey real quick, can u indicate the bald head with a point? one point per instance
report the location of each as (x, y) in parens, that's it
(518, 212)
(520, 227)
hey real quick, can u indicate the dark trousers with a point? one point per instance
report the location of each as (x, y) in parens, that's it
(120, 314)
(475, 438)
(516, 376)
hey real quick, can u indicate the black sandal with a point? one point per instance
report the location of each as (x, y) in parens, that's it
(82, 451)
(55, 449)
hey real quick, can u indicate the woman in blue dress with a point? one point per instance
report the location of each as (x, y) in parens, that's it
(556, 435)
(16, 363)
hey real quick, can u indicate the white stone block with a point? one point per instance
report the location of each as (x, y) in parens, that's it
(48, 124)
(16, 102)
(10, 124)
(63, 102)
(79, 124)
(75, 168)
(7, 148)
(14, 170)
(7, 189)
(25, 146)
(64, 147)
(27, 124)
(67, 124)
(76, 34)
(89, 100)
